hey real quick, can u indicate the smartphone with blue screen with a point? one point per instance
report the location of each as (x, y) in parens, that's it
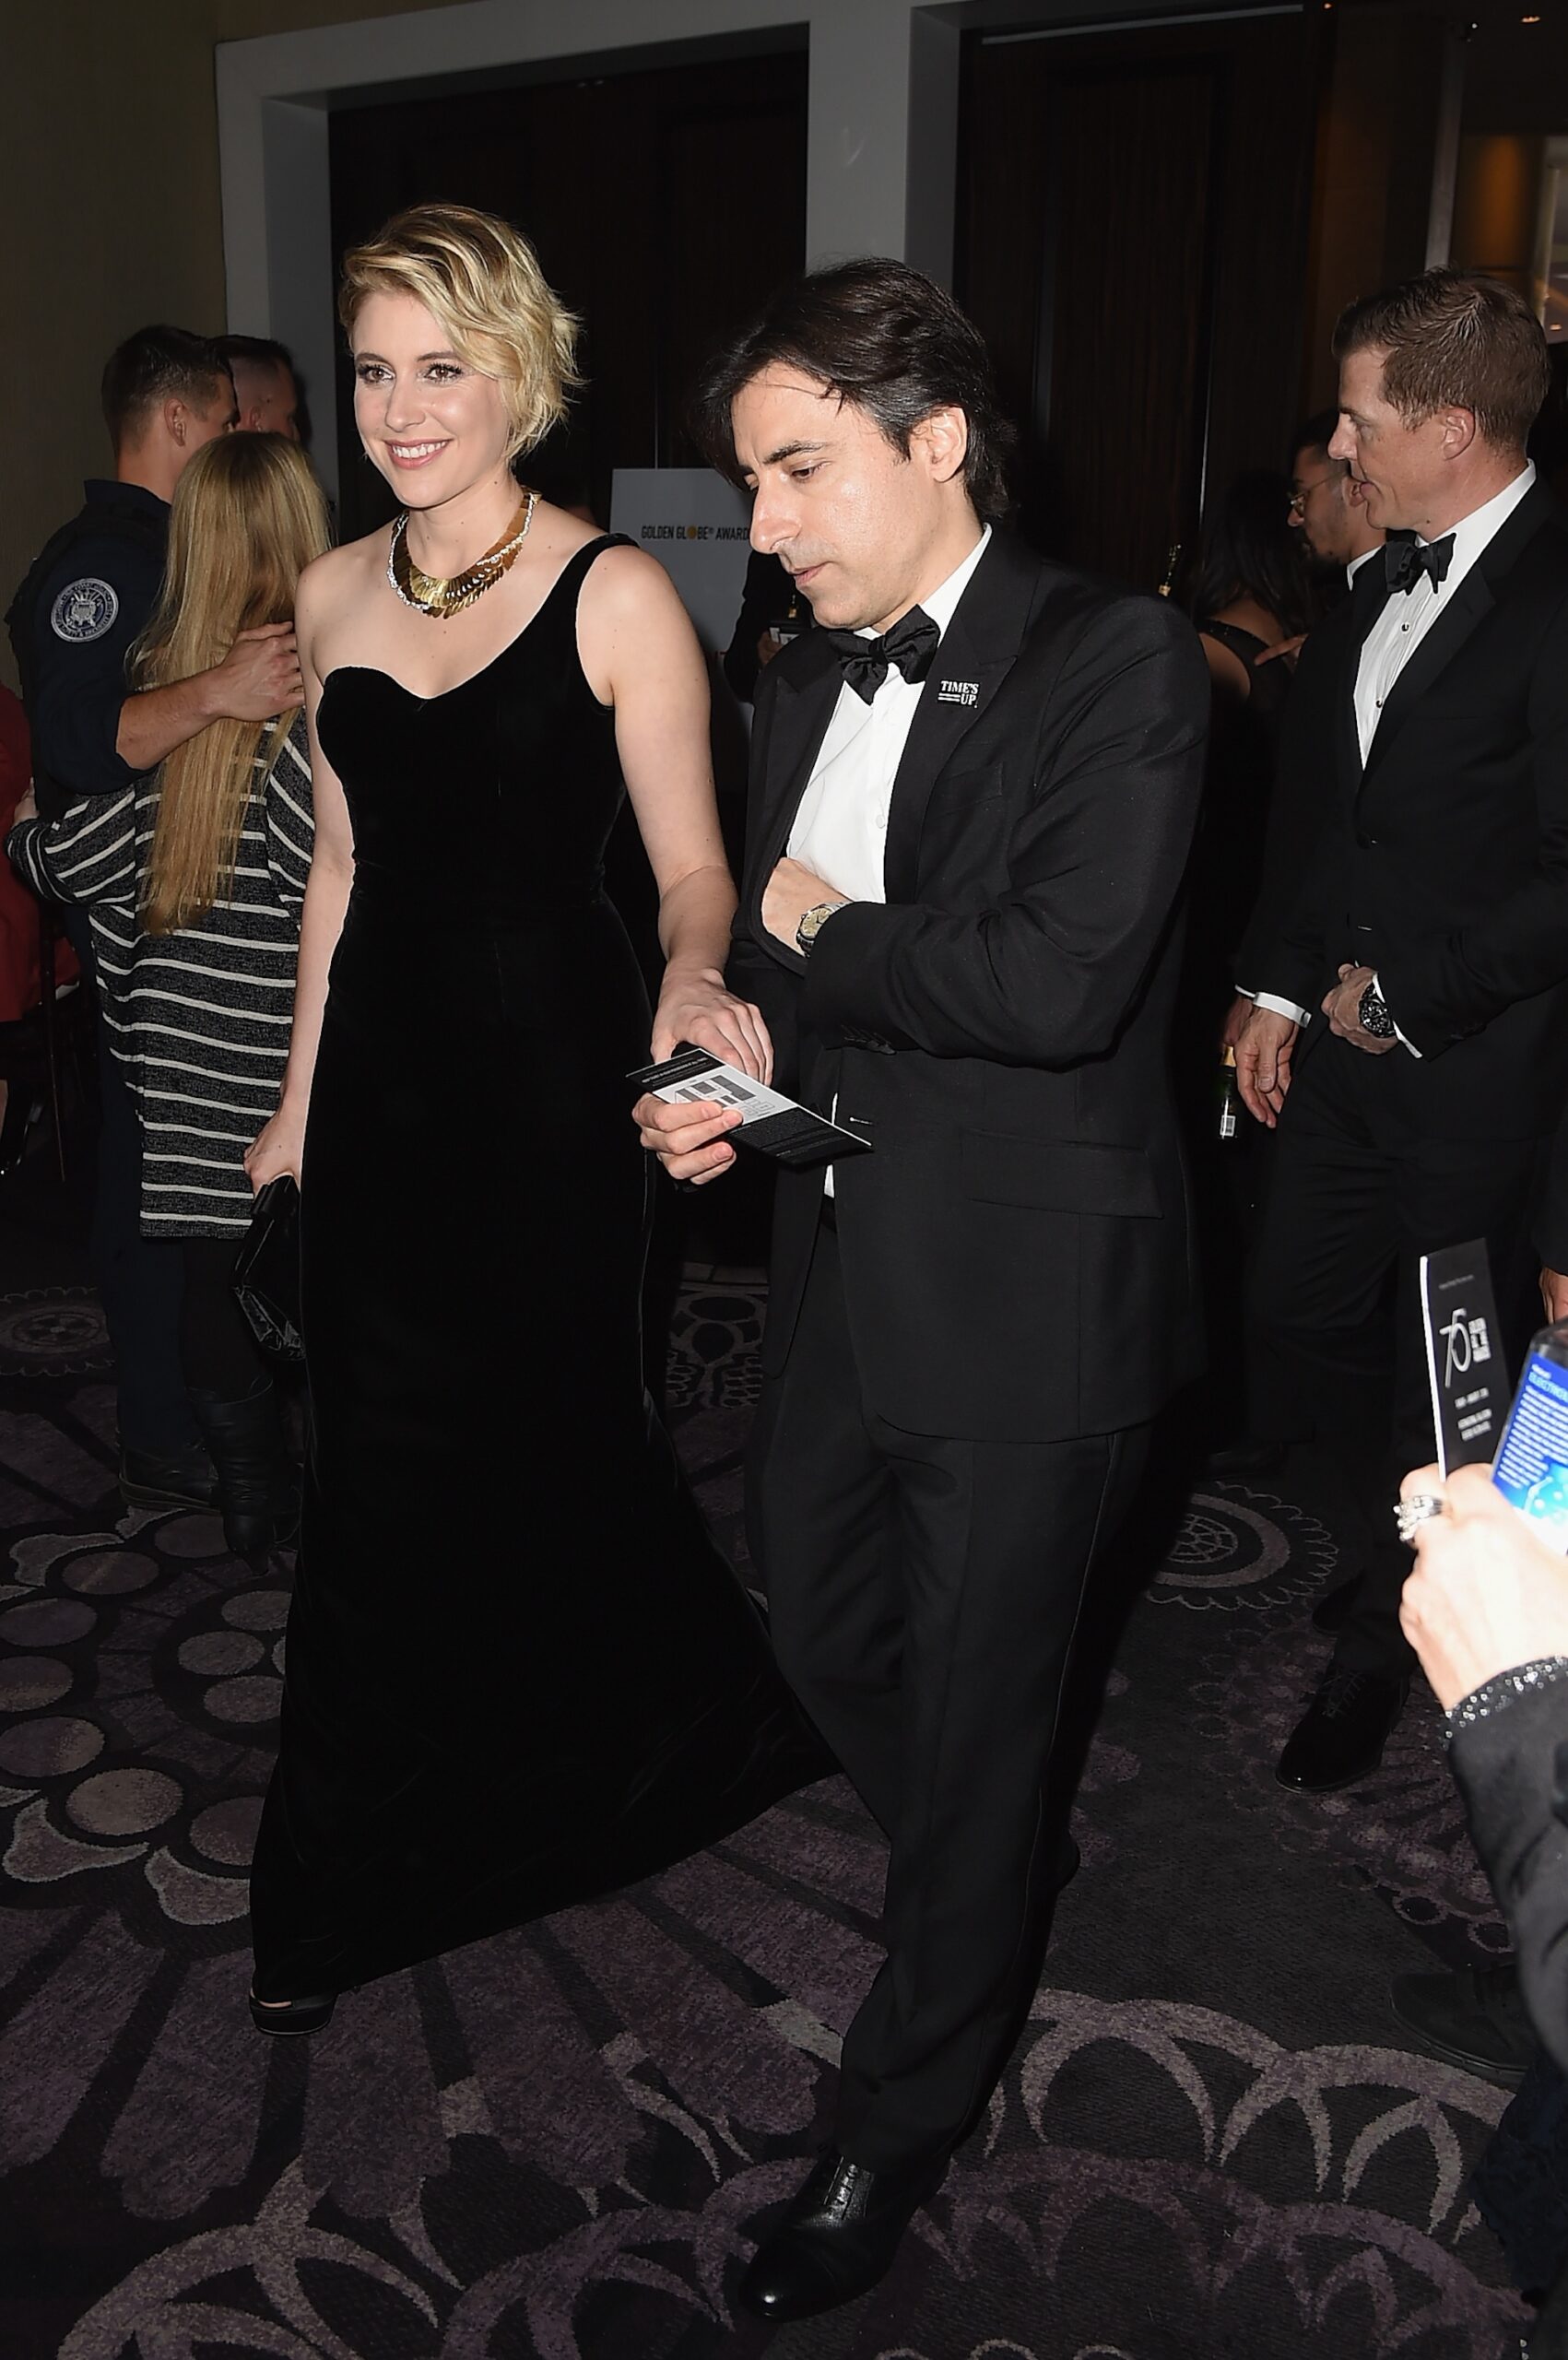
(1531, 1466)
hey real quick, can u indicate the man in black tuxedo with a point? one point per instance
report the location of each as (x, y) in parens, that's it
(973, 790)
(1430, 932)
(1329, 509)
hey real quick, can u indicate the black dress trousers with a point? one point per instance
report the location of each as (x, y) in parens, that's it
(925, 1594)
(1359, 1192)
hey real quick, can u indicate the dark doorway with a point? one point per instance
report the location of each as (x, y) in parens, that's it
(1133, 210)
(662, 203)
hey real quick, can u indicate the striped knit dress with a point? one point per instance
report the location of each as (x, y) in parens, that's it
(200, 1018)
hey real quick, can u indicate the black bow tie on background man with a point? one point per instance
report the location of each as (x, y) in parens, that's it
(908, 648)
(1405, 560)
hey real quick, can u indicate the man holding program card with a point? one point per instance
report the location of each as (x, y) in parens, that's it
(973, 789)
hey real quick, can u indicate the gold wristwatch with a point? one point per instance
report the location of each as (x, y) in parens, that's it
(811, 924)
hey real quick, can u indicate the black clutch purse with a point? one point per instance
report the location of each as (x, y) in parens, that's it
(266, 1271)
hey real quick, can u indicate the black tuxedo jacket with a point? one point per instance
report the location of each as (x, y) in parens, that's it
(1015, 1244)
(1444, 860)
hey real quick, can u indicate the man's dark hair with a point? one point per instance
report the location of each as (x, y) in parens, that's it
(882, 337)
(261, 352)
(1315, 434)
(1454, 340)
(158, 364)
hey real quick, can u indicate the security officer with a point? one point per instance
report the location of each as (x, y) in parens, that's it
(86, 600)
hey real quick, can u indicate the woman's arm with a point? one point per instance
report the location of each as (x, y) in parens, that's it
(641, 654)
(87, 856)
(280, 1147)
(1486, 1609)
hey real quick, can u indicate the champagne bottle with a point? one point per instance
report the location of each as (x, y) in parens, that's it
(1230, 1097)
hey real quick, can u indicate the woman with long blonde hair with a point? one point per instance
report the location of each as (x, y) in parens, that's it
(195, 878)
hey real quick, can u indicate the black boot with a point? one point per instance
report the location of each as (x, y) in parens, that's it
(166, 1478)
(258, 1488)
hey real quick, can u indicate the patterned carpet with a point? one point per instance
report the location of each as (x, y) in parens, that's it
(555, 2145)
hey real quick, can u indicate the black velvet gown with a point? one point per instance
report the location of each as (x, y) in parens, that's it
(518, 1674)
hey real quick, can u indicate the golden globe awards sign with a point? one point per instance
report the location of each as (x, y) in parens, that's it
(696, 525)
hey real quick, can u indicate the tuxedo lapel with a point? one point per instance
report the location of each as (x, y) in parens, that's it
(977, 651)
(1471, 603)
(1368, 598)
(808, 694)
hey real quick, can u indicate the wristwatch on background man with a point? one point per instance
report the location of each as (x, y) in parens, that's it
(1373, 1016)
(811, 924)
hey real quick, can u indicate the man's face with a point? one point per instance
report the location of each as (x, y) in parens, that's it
(854, 520)
(269, 400)
(1318, 505)
(1403, 467)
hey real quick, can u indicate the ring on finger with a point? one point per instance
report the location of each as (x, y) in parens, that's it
(1419, 1509)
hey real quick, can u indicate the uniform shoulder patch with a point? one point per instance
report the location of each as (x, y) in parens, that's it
(84, 609)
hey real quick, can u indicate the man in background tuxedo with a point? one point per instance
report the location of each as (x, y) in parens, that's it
(1414, 1005)
(1329, 500)
(973, 789)
(1329, 509)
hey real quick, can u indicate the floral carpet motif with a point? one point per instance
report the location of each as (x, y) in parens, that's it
(1257, 1557)
(557, 2145)
(54, 1331)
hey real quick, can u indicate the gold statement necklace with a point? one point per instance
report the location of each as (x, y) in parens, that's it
(429, 593)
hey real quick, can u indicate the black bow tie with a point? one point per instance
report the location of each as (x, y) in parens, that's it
(1405, 561)
(908, 648)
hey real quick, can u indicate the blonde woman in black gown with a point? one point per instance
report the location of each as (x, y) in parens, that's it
(518, 1674)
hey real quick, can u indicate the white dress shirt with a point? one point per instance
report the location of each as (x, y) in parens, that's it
(1400, 630)
(841, 830)
(1410, 614)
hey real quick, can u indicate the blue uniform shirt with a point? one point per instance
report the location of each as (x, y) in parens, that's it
(90, 607)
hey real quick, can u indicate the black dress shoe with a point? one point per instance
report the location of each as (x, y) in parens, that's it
(838, 2238)
(1244, 1456)
(162, 1478)
(1341, 1735)
(1333, 1608)
(291, 2019)
(1474, 2019)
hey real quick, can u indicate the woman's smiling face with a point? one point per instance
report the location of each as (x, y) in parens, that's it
(429, 420)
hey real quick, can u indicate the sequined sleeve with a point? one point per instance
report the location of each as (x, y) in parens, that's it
(1495, 1695)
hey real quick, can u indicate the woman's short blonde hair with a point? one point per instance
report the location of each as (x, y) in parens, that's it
(481, 279)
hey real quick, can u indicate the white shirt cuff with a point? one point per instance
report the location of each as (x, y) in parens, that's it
(1277, 1007)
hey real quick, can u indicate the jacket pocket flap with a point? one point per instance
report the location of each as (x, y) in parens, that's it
(1059, 1176)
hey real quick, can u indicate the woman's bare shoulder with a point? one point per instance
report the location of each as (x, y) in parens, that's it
(625, 578)
(334, 586)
